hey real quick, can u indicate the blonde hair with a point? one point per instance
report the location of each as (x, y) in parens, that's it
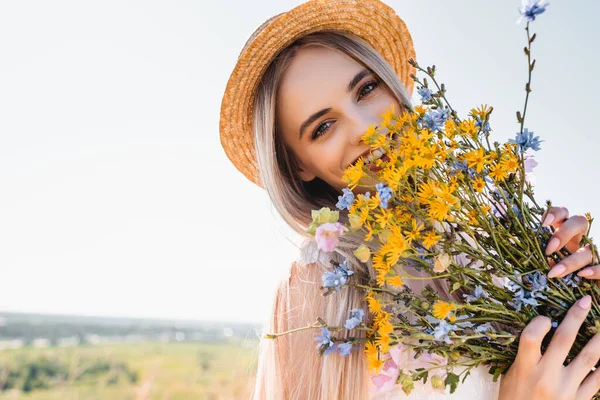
(289, 366)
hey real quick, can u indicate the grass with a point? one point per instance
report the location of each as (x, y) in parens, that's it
(178, 371)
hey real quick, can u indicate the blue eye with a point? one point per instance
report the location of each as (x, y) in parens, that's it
(324, 127)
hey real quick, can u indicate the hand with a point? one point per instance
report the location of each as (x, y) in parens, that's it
(568, 233)
(534, 376)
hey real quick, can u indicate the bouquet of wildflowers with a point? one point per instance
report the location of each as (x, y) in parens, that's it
(451, 208)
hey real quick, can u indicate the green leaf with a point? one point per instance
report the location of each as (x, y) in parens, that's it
(452, 381)
(455, 286)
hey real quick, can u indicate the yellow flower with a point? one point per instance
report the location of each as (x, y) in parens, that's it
(430, 239)
(476, 159)
(375, 364)
(382, 276)
(450, 129)
(384, 343)
(370, 135)
(396, 282)
(387, 116)
(427, 190)
(369, 234)
(485, 209)
(441, 309)
(498, 173)
(469, 128)
(371, 350)
(408, 198)
(479, 184)
(354, 173)
(374, 305)
(385, 327)
(395, 247)
(510, 164)
(415, 233)
(420, 109)
(383, 218)
(363, 253)
(472, 219)
(439, 209)
(441, 262)
(481, 111)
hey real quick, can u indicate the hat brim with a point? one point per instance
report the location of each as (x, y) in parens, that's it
(371, 20)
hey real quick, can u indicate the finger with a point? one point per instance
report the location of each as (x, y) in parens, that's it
(530, 342)
(590, 386)
(585, 360)
(571, 228)
(565, 334)
(555, 216)
(592, 272)
(581, 258)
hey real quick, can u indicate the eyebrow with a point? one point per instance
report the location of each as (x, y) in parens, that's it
(357, 78)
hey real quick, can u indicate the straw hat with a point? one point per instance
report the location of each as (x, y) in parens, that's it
(370, 20)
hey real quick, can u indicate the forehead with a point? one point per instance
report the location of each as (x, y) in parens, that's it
(315, 78)
(315, 66)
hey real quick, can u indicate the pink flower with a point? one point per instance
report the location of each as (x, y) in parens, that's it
(530, 163)
(327, 235)
(386, 381)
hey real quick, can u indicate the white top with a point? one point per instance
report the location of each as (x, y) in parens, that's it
(478, 385)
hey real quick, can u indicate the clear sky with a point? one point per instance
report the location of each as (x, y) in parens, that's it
(116, 197)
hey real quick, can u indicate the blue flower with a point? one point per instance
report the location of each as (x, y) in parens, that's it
(346, 200)
(338, 277)
(571, 280)
(486, 128)
(532, 8)
(483, 328)
(434, 119)
(385, 194)
(325, 344)
(478, 293)
(356, 316)
(539, 283)
(440, 333)
(522, 297)
(345, 348)
(425, 94)
(526, 141)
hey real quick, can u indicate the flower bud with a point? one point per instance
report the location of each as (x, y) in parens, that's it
(355, 221)
(454, 355)
(441, 262)
(425, 305)
(437, 382)
(324, 215)
(363, 253)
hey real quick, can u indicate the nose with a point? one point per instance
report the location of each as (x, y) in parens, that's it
(358, 122)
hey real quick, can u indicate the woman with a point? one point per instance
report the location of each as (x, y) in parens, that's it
(306, 86)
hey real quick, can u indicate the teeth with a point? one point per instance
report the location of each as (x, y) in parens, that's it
(378, 153)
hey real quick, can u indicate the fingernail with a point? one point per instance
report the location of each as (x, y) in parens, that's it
(552, 245)
(585, 302)
(548, 220)
(585, 272)
(556, 270)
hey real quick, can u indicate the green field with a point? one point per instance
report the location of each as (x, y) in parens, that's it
(154, 370)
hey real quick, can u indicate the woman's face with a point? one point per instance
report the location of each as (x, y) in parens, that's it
(325, 103)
